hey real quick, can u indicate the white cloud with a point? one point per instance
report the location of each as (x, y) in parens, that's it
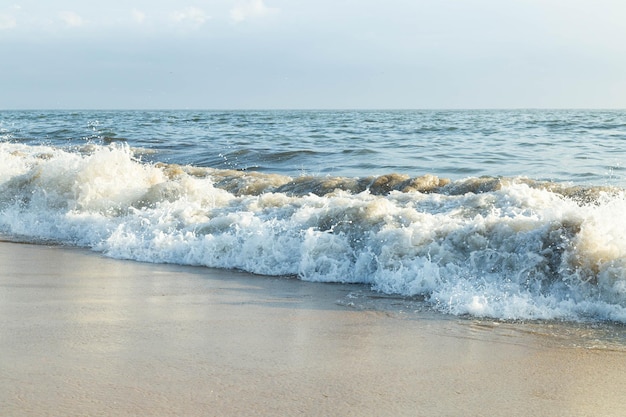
(72, 19)
(7, 22)
(192, 15)
(250, 9)
(138, 16)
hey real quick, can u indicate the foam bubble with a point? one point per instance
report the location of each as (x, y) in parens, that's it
(485, 247)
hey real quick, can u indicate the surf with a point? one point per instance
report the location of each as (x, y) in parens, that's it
(509, 248)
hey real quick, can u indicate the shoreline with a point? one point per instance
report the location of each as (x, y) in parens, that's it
(82, 334)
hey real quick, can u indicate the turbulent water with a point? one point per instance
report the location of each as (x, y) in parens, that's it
(504, 214)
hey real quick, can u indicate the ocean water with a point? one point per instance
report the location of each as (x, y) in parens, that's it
(504, 214)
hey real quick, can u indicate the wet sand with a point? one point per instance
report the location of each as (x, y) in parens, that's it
(85, 335)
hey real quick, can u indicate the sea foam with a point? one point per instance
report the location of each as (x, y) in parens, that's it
(508, 248)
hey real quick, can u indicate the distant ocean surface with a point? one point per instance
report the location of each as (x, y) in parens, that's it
(514, 214)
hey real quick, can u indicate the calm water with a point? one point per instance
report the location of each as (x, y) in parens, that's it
(503, 214)
(585, 147)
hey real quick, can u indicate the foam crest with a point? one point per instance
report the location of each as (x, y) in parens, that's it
(505, 248)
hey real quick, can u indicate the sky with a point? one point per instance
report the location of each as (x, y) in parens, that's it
(312, 54)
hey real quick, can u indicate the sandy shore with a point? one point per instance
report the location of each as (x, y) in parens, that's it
(84, 335)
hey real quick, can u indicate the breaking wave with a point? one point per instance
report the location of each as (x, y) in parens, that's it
(510, 248)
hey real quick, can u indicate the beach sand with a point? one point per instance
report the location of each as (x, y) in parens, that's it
(81, 334)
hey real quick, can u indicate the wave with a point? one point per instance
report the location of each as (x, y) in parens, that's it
(509, 248)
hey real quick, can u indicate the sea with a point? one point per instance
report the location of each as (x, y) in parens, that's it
(500, 214)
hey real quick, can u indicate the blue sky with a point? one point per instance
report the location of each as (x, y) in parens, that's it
(265, 54)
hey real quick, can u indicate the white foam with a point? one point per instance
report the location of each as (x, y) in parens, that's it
(512, 252)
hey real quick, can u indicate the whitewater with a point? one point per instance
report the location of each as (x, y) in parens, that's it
(521, 218)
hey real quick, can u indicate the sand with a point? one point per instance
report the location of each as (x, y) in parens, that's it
(84, 335)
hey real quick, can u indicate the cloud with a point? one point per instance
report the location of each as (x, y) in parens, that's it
(250, 9)
(72, 19)
(138, 16)
(192, 15)
(7, 22)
